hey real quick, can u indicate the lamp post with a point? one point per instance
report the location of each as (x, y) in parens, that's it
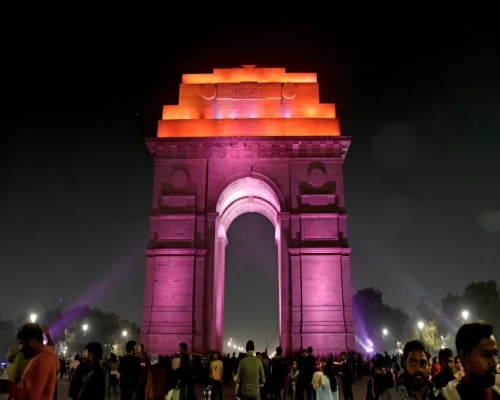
(85, 327)
(421, 325)
(33, 318)
(385, 332)
(465, 315)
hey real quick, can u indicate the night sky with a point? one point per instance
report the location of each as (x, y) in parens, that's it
(422, 177)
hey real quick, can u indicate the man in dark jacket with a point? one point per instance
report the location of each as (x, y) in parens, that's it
(346, 377)
(307, 372)
(446, 374)
(185, 375)
(129, 373)
(381, 378)
(279, 372)
(94, 382)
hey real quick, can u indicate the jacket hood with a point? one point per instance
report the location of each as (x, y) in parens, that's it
(12, 354)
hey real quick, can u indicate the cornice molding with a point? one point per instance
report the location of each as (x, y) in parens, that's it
(235, 148)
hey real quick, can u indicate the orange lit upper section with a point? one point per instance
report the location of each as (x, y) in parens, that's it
(250, 74)
(249, 101)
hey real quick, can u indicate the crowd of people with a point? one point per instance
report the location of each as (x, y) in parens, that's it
(472, 374)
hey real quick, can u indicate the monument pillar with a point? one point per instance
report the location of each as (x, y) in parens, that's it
(296, 320)
(210, 309)
(347, 299)
(168, 306)
(199, 300)
(284, 279)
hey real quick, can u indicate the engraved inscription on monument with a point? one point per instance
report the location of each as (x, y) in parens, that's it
(248, 91)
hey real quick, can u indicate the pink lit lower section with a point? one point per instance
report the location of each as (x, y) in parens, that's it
(184, 292)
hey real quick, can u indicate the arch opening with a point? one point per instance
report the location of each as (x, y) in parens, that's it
(251, 301)
(245, 195)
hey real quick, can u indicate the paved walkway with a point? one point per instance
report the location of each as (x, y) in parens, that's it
(359, 389)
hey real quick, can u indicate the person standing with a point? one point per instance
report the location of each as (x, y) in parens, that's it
(216, 376)
(40, 377)
(307, 372)
(279, 372)
(157, 379)
(139, 352)
(250, 374)
(129, 373)
(113, 372)
(446, 363)
(185, 374)
(346, 377)
(415, 383)
(94, 381)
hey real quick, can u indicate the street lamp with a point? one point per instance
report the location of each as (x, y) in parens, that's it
(85, 327)
(124, 333)
(420, 325)
(33, 318)
(465, 315)
(385, 332)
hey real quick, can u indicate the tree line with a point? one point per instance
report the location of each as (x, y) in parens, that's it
(67, 329)
(440, 318)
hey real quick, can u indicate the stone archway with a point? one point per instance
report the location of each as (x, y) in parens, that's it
(239, 197)
(240, 140)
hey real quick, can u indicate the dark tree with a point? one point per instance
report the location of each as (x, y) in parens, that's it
(482, 300)
(428, 309)
(452, 306)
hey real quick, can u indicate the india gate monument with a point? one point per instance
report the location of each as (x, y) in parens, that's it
(248, 140)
